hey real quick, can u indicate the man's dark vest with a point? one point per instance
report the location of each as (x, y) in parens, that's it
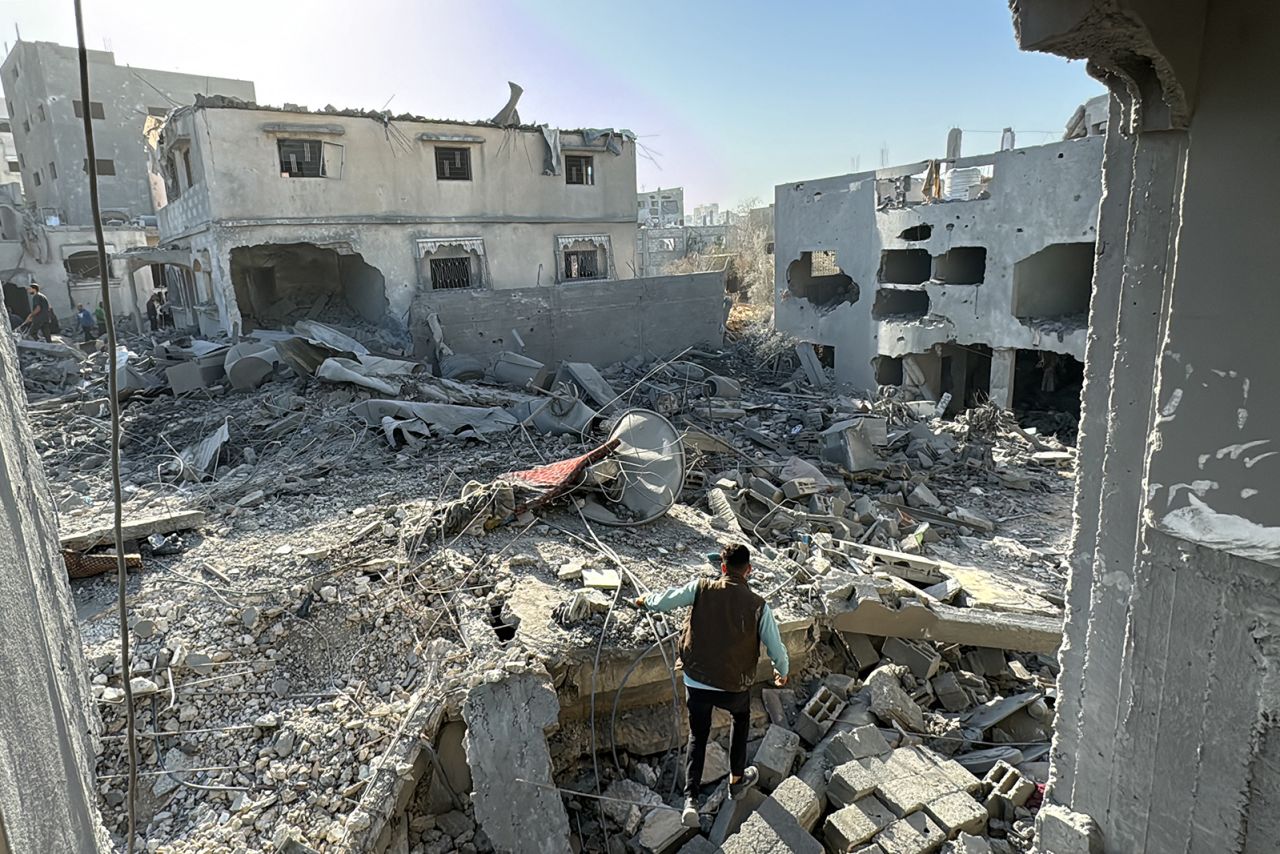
(721, 644)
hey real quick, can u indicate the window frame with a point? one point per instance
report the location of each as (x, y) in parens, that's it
(96, 109)
(586, 167)
(462, 153)
(283, 141)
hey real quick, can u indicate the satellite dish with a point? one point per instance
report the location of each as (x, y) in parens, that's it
(650, 470)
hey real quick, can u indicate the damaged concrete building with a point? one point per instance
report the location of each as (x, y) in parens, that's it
(961, 275)
(368, 219)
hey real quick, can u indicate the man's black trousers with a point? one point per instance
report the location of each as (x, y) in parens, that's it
(701, 701)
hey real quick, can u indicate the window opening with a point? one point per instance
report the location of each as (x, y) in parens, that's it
(301, 158)
(579, 169)
(582, 264)
(105, 167)
(961, 265)
(453, 164)
(95, 109)
(450, 273)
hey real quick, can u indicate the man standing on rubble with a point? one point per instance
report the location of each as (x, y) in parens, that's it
(719, 653)
(41, 320)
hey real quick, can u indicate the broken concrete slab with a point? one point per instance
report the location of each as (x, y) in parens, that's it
(134, 529)
(859, 743)
(590, 385)
(515, 799)
(662, 832)
(1059, 830)
(811, 366)
(733, 813)
(890, 702)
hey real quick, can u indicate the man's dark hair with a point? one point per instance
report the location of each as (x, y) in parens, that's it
(34, 287)
(736, 557)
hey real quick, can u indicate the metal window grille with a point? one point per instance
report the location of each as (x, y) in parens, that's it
(582, 264)
(450, 273)
(823, 264)
(301, 158)
(579, 169)
(453, 164)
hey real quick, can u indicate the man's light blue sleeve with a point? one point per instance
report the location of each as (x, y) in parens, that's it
(673, 597)
(773, 641)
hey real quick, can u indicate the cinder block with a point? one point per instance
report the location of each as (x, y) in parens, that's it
(818, 714)
(906, 762)
(959, 775)
(776, 756)
(853, 825)
(1008, 785)
(1062, 831)
(906, 795)
(771, 828)
(864, 653)
(915, 834)
(699, 845)
(854, 780)
(957, 813)
(947, 688)
(800, 487)
(733, 813)
(802, 801)
(919, 657)
(859, 743)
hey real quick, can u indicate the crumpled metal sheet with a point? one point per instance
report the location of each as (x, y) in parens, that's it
(197, 461)
(440, 418)
(326, 336)
(337, 370)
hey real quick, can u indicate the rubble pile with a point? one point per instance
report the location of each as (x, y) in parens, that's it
(340, 549)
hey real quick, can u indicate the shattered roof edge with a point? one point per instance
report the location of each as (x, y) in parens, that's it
(224, 102)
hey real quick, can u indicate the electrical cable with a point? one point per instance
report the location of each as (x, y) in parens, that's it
(113, 401)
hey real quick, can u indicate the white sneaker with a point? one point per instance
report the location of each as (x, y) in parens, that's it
(689, 815)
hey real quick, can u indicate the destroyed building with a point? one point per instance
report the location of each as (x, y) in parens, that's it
(42, 92)
(348, 216)
(11, 173)
(967, 276)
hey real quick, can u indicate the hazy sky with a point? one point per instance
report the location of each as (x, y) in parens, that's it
(728, 98)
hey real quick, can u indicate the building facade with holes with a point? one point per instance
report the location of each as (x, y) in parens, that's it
(968, 276)
(41, 83)
(345, 217)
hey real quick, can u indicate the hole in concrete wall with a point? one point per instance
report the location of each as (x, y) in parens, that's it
(1054, 282)
(888, 370)
(82, 266)
(966, 374)
(899, 303)
(961, 265)
(1046, 392)
(277, 283)
(905, 266)
(917, 232)
(504, 629)
(816, 277)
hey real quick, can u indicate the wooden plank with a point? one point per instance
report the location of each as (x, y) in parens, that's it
(134, 529)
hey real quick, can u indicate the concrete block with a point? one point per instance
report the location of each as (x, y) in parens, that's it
(920, 657)
(889, 702)
(840, 684)
(662, 832)
(1007, 784)
(854, 780)
(1062, 831)
(907, 762)
(189, 376)
(780, 705)
(957, 813)
(733, 813)
(800, 487)
(776, 756)
(966, 844)
(947, 688)
(863, 651)
(771, 829)
(699, 845)
(818, 714)
(915, 834)
(905, 795)
(986, 661)
(802, 802)
(959, 776)
(859, 743)
(922, 496)
(853, 825)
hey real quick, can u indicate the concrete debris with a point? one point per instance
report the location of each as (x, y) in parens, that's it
(377, 579)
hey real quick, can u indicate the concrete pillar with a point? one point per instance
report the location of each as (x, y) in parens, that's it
(47, 718)
(1001, 392)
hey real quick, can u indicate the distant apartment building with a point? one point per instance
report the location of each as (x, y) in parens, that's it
(660, 208)
(706, 215)
(657, 248)
(969, 276)
(284, 214)
(10, 166)
(41, 83)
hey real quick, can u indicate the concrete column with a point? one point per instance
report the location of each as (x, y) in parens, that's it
(47, 799)
(1002, 377)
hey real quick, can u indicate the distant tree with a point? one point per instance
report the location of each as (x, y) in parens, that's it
(746, 256)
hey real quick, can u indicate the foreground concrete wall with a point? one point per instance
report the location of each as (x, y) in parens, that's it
(1039, 196)
(597, 322)
(1169, 718)
(47, 799)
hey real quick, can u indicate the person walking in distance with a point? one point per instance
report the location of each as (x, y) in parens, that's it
(719, 652)
(41, 320)
(85, 320)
